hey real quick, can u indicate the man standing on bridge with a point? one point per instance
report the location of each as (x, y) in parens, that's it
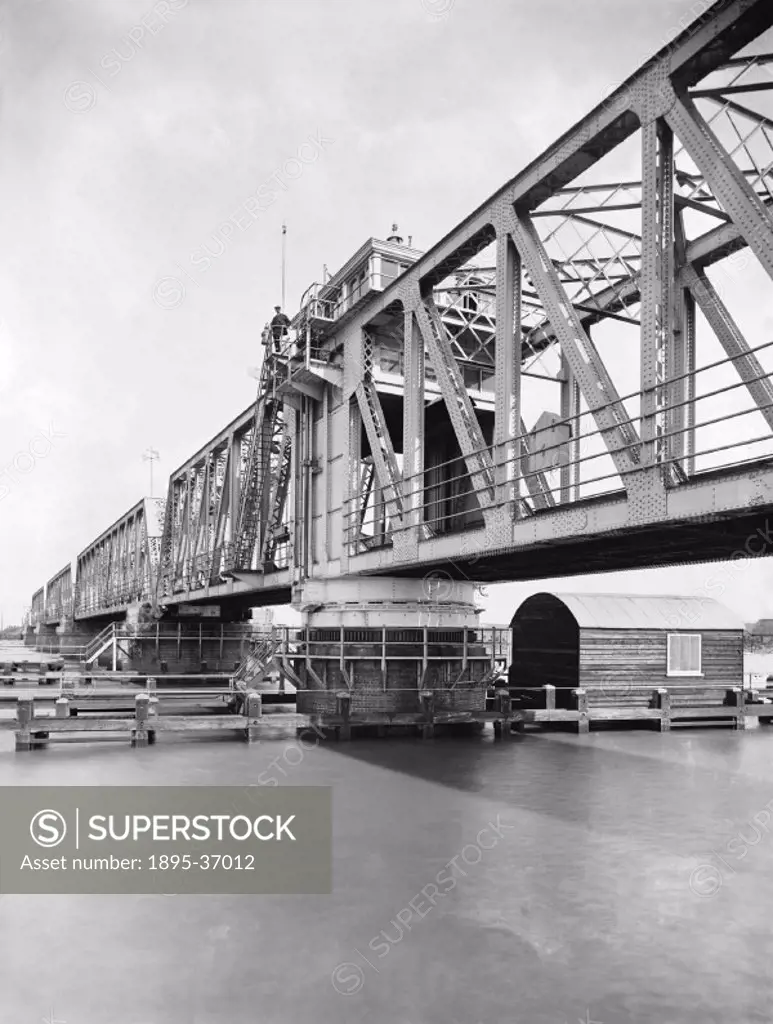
(279, 324)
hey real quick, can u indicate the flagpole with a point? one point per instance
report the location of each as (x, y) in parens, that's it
(150, 455)
(284, 250)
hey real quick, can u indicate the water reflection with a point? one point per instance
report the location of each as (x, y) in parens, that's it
(583, 907)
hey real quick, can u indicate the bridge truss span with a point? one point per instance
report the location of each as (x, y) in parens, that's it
(577, 378)
(225, 522)
(119, 568)
(609, 387)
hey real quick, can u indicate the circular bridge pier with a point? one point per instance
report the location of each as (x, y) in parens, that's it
(390, 653)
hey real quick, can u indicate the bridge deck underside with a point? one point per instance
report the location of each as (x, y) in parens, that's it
(655, 545)
(720, 516)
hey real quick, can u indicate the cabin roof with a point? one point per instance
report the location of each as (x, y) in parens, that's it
(647, 611)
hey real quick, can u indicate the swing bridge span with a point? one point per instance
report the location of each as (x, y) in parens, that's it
(577, 378)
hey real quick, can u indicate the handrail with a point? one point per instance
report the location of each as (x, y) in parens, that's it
(108, 631)
(508, 454)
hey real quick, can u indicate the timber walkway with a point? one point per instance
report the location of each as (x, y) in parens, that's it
(665, 708)
(44, 699)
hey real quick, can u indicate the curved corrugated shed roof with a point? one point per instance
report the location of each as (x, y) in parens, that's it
(648, 611)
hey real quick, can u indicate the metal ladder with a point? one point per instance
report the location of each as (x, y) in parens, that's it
(257, 659)
(258, 482)
(279, 498)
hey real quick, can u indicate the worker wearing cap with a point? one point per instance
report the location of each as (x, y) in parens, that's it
(279, 324)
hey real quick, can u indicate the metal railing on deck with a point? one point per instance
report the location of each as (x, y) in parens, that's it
(523, 474)
(294, 351)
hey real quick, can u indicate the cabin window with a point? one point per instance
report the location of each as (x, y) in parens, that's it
(358, 286)
(389, 271)
(684, 654)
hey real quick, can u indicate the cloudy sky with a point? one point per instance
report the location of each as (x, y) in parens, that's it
(130, 131)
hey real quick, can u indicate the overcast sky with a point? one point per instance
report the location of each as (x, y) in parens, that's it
(131, 130)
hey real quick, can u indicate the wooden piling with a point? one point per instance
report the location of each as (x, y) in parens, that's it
(503, 705)
(663, 702)
(735, 698)
(343, 711)
(253, 710)
(152, 718)
(24, 714)
(428, 707)
(140, 736)
(583, 722)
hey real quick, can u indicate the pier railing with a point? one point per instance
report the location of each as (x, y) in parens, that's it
(455, 656)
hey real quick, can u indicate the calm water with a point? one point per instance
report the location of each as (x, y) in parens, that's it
(587, 907)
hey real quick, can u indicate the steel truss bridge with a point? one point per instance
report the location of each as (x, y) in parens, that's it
(577, 378)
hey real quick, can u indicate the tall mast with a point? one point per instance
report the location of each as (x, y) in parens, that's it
(284, 251)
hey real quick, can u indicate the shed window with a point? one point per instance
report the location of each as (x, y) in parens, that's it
(684, 654)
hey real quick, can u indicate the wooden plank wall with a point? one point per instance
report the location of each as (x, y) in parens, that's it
(624, 658)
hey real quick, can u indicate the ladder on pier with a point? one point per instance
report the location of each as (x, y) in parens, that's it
(257, 659)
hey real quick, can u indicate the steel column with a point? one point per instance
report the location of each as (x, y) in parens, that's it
(570, 410)
(657, 335)
(507, 409)
(413, 428)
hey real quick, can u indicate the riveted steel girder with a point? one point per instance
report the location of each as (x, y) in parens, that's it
(507, 409)
(729, 185)
(38, 607)
(413, 428)
(381, 448)
(587, 366)
(59, 596)
(460, 410)
(120, 566)
(732, 340)
(657, 328)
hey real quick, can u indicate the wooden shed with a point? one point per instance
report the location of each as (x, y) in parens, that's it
(602, 642)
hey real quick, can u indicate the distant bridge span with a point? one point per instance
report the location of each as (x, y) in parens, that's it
(573, 380)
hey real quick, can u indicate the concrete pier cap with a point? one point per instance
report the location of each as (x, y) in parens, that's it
(374, 602)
